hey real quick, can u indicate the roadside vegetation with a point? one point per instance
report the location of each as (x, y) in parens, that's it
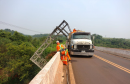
(15, 52)
(111, 42)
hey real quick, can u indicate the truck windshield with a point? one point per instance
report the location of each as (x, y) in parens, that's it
(81, 36)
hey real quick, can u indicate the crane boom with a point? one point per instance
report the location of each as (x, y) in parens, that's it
(36, 58)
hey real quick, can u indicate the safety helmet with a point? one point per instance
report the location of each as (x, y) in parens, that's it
(57, 41)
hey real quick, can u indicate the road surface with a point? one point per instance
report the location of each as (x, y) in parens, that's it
(102, 68)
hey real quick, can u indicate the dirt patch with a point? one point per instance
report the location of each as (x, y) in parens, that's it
(50, 55)
(1, 71)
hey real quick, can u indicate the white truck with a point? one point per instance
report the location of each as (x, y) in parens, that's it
(80, 43)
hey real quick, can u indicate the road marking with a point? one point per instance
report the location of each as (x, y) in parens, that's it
(114, 64)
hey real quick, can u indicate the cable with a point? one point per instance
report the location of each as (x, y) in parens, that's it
(18, 27)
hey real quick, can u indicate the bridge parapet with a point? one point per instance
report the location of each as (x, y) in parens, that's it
(119, 52)
(51, 71)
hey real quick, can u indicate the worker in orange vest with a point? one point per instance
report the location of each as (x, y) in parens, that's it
(59, 47)
(74, 30)
(64, 53)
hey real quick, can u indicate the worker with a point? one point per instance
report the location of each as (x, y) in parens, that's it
(58, 46)
(63, 57)
(62, 47)
(67, 54)
(74, 30)
(64, 53)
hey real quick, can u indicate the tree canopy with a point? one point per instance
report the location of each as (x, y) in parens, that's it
(111, 42)
(15, 52)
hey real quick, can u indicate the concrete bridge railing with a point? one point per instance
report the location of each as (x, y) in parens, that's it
(119, 52)
(51, 73)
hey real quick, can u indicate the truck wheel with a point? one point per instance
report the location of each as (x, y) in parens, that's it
(91, 56)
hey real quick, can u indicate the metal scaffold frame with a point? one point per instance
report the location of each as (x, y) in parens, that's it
(36, 58)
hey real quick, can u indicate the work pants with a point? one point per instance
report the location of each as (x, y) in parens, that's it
(64, 59)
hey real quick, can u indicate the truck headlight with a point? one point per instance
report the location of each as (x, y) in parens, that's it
(75, 46)
(91, 46)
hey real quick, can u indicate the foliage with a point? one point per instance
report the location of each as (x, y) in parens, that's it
(111, 42)
(19, 61)
(15, 52)
(4, 34)
(8, 30)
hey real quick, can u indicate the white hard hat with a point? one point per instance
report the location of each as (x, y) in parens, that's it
(57, 41)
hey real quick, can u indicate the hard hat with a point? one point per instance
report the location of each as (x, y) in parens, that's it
(57, 41)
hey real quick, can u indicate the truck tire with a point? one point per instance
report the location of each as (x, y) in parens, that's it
(91, 56)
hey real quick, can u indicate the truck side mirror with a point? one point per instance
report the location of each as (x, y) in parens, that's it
(92, 37)
(67, 37)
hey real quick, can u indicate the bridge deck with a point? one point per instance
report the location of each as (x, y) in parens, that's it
(102, 68)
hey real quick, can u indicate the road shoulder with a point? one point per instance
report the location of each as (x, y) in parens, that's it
(71, 74)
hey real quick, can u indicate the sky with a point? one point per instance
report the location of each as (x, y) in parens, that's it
(109, 18)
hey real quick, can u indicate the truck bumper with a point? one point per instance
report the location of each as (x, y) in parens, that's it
(80, 53)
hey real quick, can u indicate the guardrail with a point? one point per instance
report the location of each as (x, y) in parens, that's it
(51, 73)
(119, 52)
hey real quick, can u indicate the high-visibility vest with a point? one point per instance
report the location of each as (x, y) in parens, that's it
(63, 60)
(66, 52)
(60, 47)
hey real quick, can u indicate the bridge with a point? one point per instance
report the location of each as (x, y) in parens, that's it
(107, 66)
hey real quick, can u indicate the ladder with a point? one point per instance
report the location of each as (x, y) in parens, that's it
(36, 58)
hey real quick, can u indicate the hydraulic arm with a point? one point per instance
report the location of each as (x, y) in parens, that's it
(36, 58)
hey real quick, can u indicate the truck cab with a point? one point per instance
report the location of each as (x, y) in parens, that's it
(80, 43)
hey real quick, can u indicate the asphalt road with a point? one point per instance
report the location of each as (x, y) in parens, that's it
(102, 68)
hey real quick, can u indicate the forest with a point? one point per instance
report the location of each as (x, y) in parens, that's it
(111, 42)
(17, 48)
(15, 52)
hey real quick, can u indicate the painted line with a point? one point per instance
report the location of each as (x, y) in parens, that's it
(114, 64)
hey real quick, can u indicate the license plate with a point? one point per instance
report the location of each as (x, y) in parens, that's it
(83, 51)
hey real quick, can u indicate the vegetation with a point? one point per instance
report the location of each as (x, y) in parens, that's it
(15, 52)
(111, 42)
